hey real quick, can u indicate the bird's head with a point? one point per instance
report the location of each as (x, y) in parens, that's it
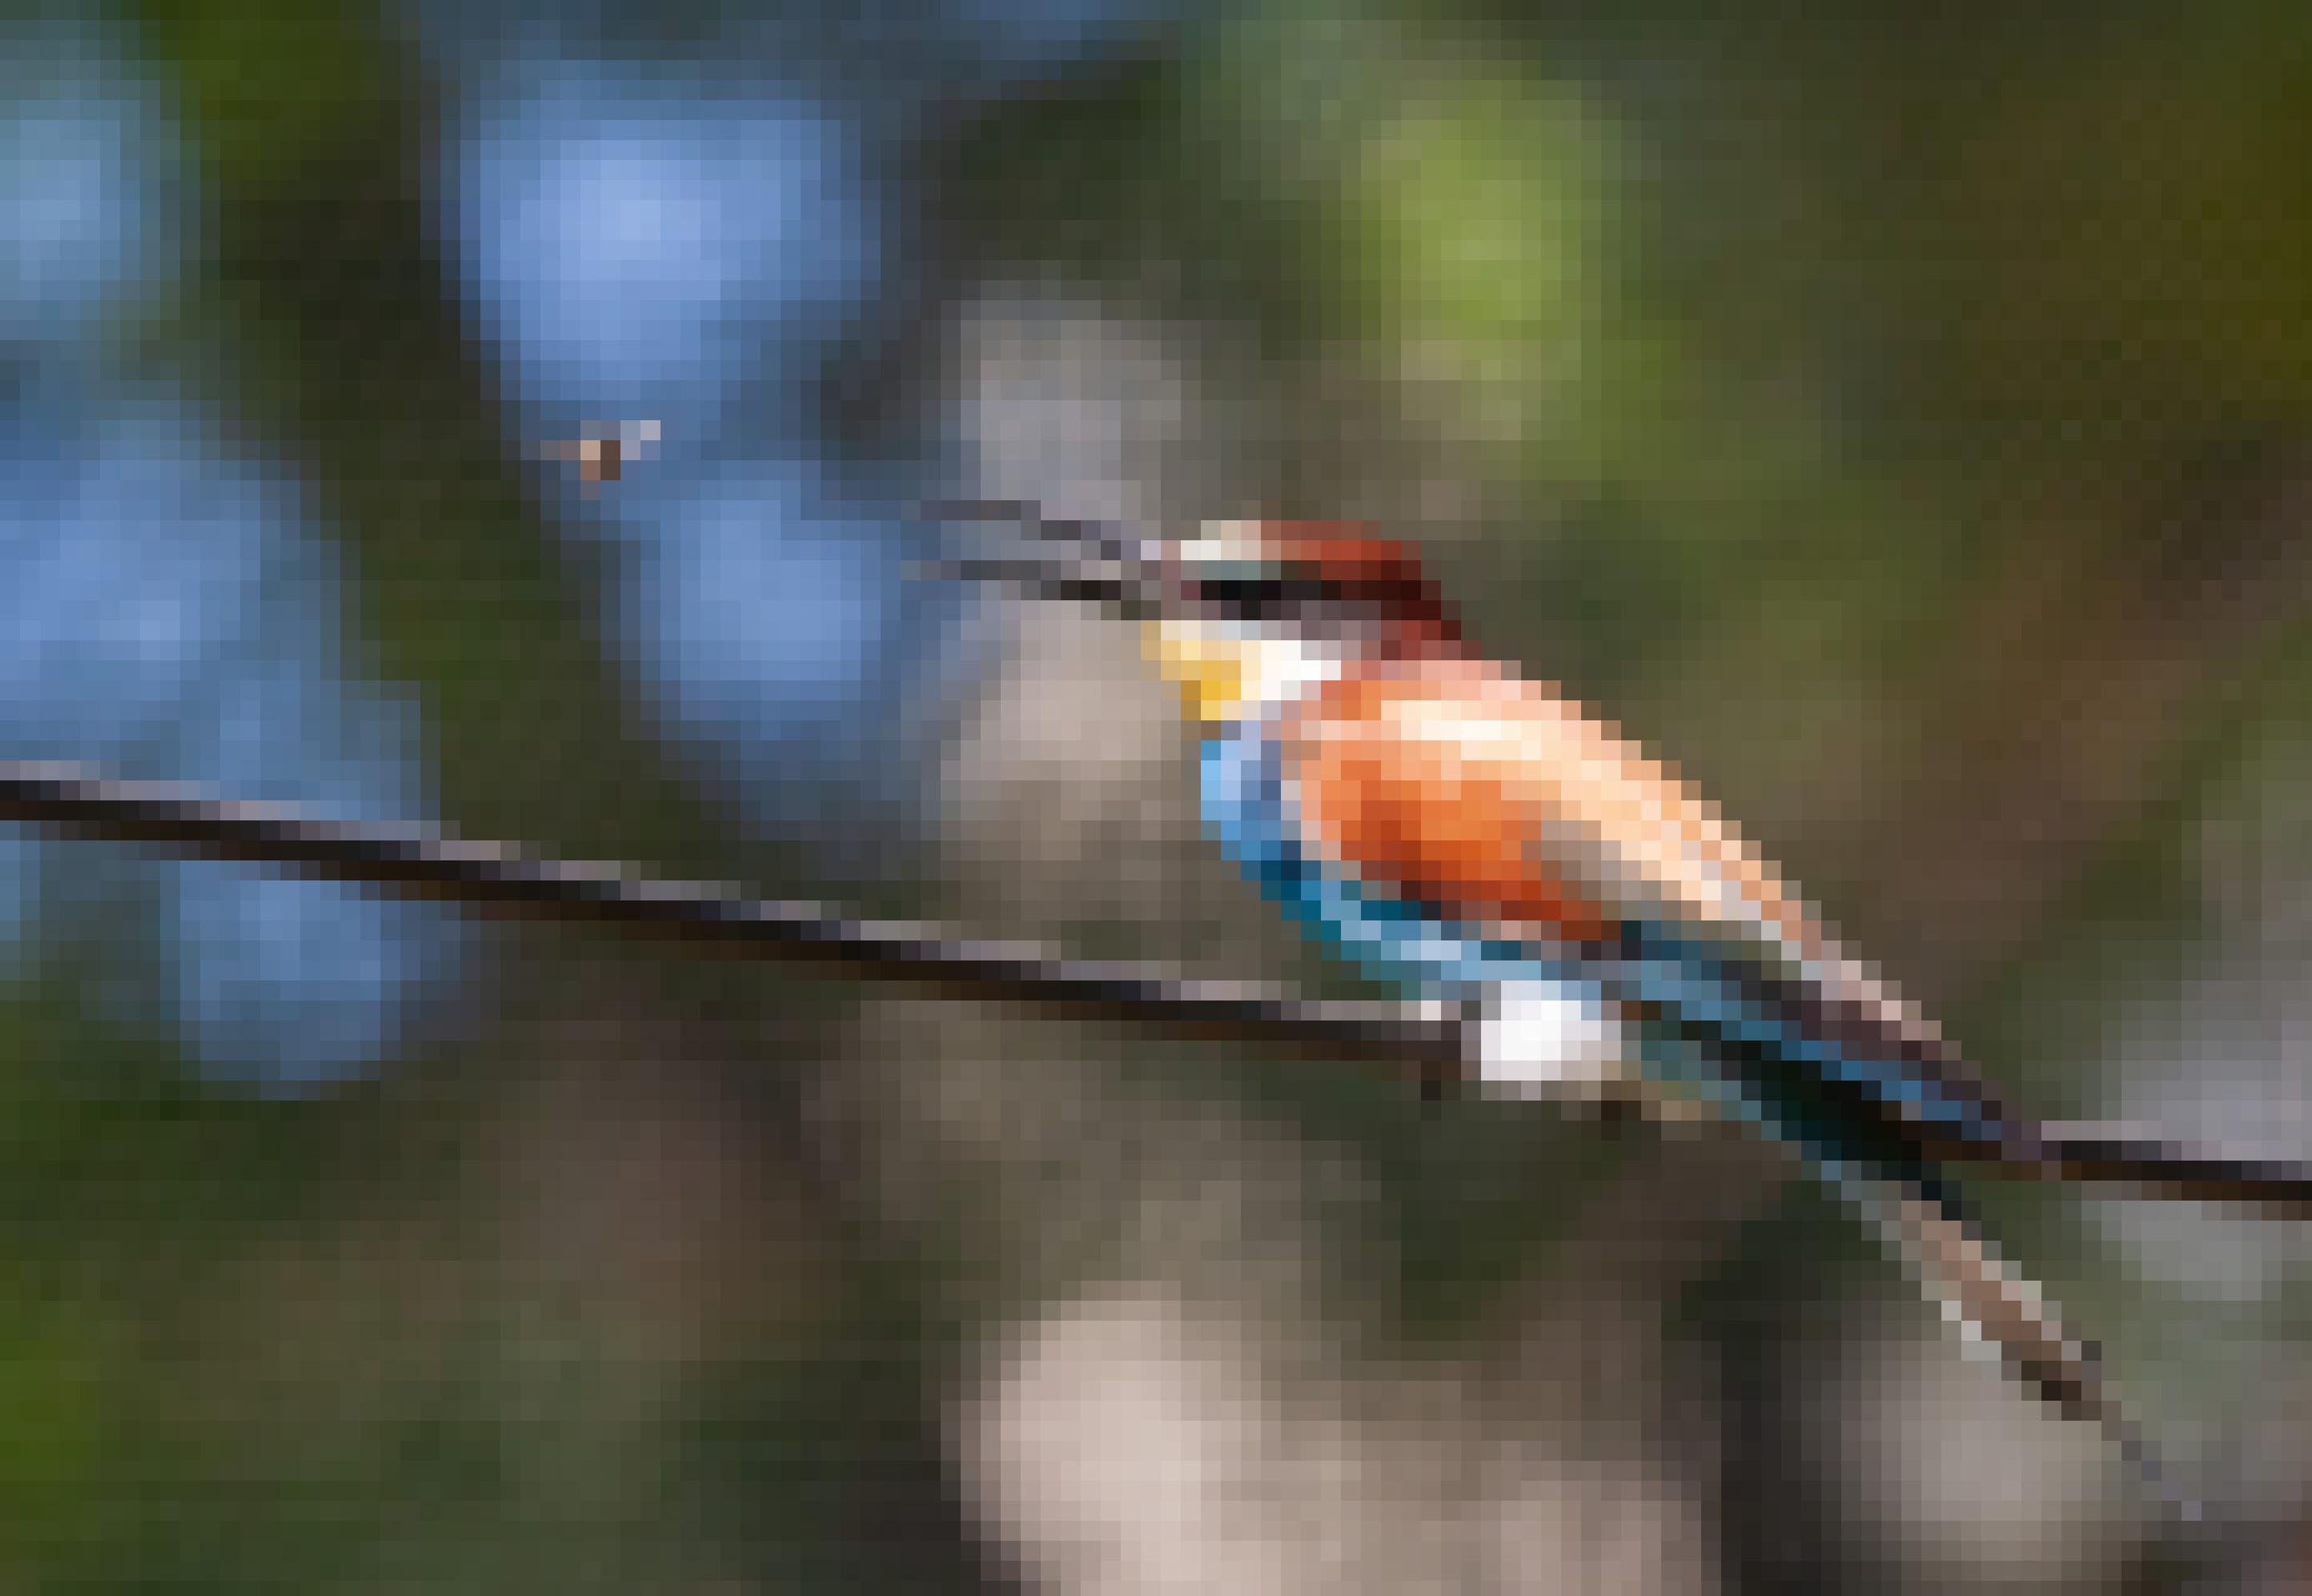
(1241, 615)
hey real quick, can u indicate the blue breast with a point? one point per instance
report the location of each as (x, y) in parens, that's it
(1246, 804)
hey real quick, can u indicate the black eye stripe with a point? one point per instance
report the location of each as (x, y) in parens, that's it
(1253, 597)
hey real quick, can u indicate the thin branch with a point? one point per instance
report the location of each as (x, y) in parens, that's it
(507, 881)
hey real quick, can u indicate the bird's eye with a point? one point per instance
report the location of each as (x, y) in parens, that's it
(1247, 598)
(1256, 598)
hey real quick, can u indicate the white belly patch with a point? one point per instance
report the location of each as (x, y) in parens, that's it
(1553, 1040)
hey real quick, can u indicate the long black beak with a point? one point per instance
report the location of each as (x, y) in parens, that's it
(1043, 557)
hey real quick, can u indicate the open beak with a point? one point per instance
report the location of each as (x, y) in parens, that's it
(1042, 558)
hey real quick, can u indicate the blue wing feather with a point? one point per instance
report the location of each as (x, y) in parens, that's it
(1748, 1038)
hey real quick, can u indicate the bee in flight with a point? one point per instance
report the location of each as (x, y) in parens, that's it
(602, 452)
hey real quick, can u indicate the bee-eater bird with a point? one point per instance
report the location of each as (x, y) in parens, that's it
(1478, 839)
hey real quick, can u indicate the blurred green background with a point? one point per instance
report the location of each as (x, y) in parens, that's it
(1902, 420)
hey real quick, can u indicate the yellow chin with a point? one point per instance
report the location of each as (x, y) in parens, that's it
(1210, 674)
